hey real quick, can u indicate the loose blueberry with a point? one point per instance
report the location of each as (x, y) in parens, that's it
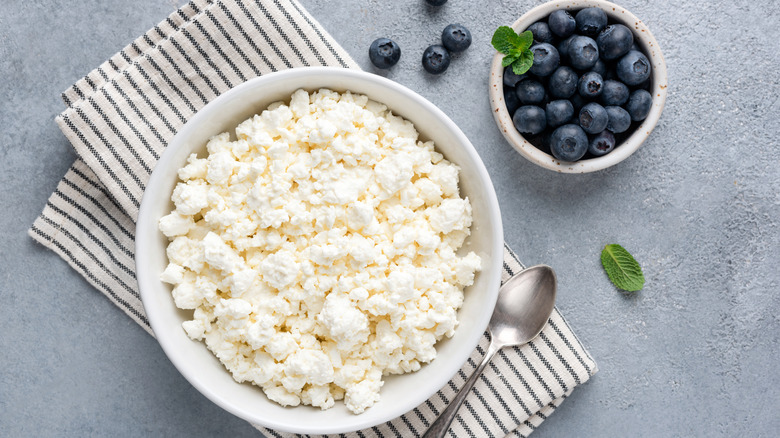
(583, 52)
(602, 143)
(436, 2)
(561, 23)
(614, 93)
(510, 78)
(614, 41)
(456, 38)
(546, 59)
(530, 119)
(599, 67)
(568, 143)
(639, 104)
(559, 112)
(590, 85)
(541, 32)
(530, 92)
(619, 119)
(511, 100)
(633, 68)
(436, 59)
(590, 21)
(593, 118)
(563, 82)
(384, 53)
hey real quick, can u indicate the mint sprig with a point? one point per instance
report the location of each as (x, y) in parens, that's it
(515, 47)
(622, 268)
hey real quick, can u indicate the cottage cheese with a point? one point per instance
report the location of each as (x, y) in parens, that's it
(318, 249)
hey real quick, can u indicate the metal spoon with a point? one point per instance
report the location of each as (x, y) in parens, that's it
(524, 305)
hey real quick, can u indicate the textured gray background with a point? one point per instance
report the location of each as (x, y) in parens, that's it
(693, 354)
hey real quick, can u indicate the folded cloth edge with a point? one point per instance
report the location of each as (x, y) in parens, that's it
(110, 114)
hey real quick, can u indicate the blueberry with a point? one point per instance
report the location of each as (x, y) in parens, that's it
(541, 32)
(511, 100)
(456, 38)
(530, 119)
(619, 120)
(602, 143)
(593, 118)
(614, 41)
(639, 104)
(436, 2)
(561, 23)
(590, 85)
(436, 59)
(384, 53)
(563, 82)
(590, 21)
(599, 67)
(510, 78)
(583, 52)
(559, 112)
(546, 59)
(633, 68)
(563, 48)
(568, 143)
(530, 91)
(614, 93)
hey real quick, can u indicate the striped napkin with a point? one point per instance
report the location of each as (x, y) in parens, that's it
(122, 114)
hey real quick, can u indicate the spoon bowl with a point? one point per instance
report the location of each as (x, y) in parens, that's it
(525, 303)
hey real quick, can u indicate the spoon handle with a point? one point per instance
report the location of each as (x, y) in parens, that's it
(440, 427)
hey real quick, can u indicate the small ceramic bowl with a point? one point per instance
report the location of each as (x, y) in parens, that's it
(646, 42)
(400, 393)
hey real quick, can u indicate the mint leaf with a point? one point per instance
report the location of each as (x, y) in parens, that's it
(515, 47)
(508, 60)
(524, 63)
(505, 40)
(622, 268)
(525, 40)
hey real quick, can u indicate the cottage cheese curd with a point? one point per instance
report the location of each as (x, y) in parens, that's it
(318, 249)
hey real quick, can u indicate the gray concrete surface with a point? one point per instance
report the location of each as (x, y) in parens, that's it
(693, 354)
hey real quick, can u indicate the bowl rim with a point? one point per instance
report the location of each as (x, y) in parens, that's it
(147, 231)
(642, 36)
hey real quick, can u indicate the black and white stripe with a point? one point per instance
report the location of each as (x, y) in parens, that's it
(172, 71)
(121, 115)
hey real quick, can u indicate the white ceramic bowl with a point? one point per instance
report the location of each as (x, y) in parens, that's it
(646, 42)
(199, 366)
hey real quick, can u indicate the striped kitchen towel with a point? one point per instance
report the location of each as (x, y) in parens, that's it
(119, 119)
